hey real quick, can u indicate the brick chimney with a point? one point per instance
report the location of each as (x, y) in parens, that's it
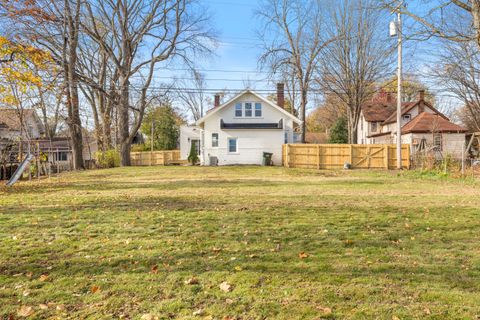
(389, 98)
(421, 95)
(216, 101)
(421, 99)
(281, 95)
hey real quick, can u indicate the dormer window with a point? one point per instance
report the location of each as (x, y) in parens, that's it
(238, 110)
(407, 117)
(248, 110)
(258, 110)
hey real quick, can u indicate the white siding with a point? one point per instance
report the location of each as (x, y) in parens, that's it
(251, 143)
(452, 143)
(187, 133)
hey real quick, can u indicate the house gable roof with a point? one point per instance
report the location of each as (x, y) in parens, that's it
(427, 122)
(408, 106)
(377, 112)
(10, 119)
(224, 105)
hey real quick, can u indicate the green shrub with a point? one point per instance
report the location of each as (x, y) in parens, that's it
(140, 147)
(108, 159)
(193, 156)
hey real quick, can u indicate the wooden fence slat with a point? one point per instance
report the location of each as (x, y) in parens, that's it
(155, 158)
(332, 156)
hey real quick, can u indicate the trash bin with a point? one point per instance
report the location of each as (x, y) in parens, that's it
(267, 158)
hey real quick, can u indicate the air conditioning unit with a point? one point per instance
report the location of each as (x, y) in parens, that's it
(213, 161)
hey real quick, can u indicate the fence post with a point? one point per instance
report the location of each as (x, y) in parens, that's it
(387, 155)
(288, 156)
(318, 157)
(351, 155)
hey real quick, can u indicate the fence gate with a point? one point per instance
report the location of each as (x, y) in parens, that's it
(334, 156)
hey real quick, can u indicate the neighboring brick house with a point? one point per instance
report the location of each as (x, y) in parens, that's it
(422, 125)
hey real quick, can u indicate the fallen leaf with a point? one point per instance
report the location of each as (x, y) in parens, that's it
(26, 293)
(238, 268)
(43, 277)
(154, 269)
(29, 274)
(192, 281)
(60, 307)
(326, 311)
(303, 255)
(149, 316)
(43, 306)
(427, 311)
(225, 287)
(94, 289)
(229, 301)
(198, 312)
(395, 318)
(25, 311)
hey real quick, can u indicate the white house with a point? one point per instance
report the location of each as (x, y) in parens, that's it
(241, 130)
(423, 126)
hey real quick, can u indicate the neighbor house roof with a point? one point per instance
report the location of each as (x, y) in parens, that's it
(216, 109)
(377, 111)
(10, 118)
(408, 106)
(427, 122)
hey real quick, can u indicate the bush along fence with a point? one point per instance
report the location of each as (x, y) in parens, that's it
(156, 158)
(337, 156)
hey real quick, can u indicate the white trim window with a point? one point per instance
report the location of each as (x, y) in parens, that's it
(238, 110)
(248, 110)
(437, 141)
(215, 140)
(232, 145)
(258, 110)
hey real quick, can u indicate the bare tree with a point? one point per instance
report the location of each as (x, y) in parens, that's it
(460, 75)
(352, 65)
(55, 27)
(293, 39)
(99, 78)
(192, 95)
(144, 33)
(439, 18)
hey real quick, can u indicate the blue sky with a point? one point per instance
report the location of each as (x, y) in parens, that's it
(239, 48)
(235, 62)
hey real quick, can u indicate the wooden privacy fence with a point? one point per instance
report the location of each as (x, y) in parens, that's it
(334, 156)
(155, 158)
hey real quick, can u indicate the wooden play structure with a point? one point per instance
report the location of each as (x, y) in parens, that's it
(44, 158)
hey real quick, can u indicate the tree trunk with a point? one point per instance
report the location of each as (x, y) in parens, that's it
(74, 123)
(123, 122)
(303, 114)
(476, 19)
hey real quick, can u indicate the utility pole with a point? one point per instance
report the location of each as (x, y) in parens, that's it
(399, 87)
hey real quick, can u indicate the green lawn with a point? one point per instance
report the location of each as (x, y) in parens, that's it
(292, 244)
